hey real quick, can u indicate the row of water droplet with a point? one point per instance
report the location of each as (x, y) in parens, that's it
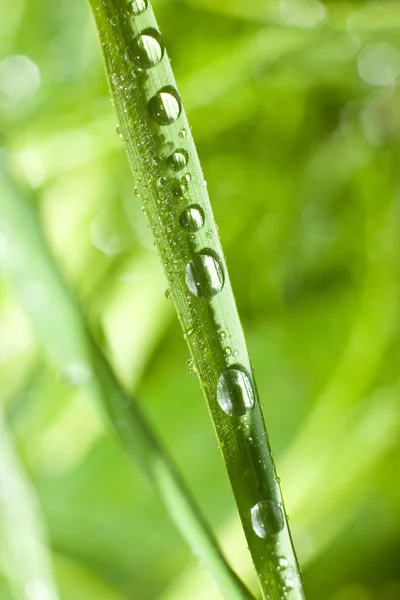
(204, 273)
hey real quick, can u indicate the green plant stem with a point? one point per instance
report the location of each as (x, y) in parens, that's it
(200, 288)
(69, 347)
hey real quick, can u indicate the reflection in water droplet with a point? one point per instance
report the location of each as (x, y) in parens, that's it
(186, 178)
(267, 518)
(235, 393)
(165, 107)
(192, 218)
(205, 276)
(182, 134)
(178, 160)
(139, 6)
(147, 50)
(227, 351)
(179, 191)
(168, 294)
(119, 132)
(191, 367)
(283, 563)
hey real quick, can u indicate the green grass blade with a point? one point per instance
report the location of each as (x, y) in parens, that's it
(174, 196)
(60, 327)
(24, 557)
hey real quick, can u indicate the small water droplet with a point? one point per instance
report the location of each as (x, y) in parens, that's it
(283, 563)
(186, 178)
(165, 107)
(139, 6)
(235, 353)
(147, 49)
(222, 336)
(182, 134)
(178, 160)
(168, 294)
(267, 518)
(179, 191)
(192, 218)
(235, 393)
(205, 275)
(209, 233)
(161, 182)
(119, 132)
(227, 352)
(191, 366)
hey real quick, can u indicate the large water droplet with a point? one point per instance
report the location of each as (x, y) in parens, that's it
(235, 393)
(192, 218)
(147, 50)
(267, 518)
(165, 107)
(205, 275)
(178, 160)
(139, 6)
(283, 563)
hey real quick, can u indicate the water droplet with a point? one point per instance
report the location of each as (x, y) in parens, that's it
(191, 366)
(267, 518)
(205, 275)
(161, 181)
(235, 393)
(119, 132)
(182, 134)
(168, 294)
(147, 50)
(209, 233)
(165, 107)
(139, 6)
(192, 218)
(235, 353)
(179, 191)
(178, 160)
(283, 563)
(227, 352)
(222, 336)
(186, 178)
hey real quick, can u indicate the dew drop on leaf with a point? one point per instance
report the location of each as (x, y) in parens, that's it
(139, 6)
(267, 518)
(235, 393)
(178, 160)
(147, 50)
(192, 218)
(165, 106)
(205, 275)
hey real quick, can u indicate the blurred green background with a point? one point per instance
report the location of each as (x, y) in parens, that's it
(295, 108)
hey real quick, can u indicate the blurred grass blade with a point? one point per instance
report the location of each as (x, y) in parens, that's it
(24, 557)
(69, 346)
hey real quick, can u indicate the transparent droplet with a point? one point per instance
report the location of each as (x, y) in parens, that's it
(235, 393)
(205, 276)
(191, 366)
(209, 233)
(165, 107)
(161, 181)
(222, 336)
(119, 132)
(147, 50)
(267, 518)
(168, 294)
(178, 160)
(227, 352)
(192, 218)
(179, 191)
(139, 6)
(283, 563)
(182, 134)
(186, 178)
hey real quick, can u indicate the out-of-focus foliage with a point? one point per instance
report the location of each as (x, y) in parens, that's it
(295, 109)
